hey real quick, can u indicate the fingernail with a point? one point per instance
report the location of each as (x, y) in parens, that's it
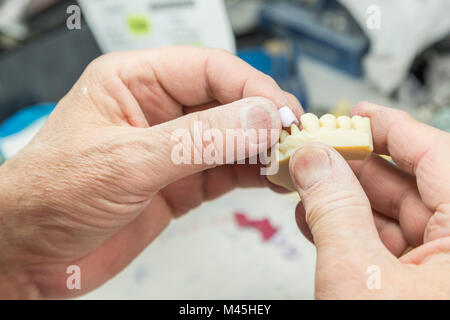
(311, 165)
(258, 114)
(287, 117)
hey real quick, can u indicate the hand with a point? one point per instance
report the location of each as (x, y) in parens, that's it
(97, 184)
(371, 222)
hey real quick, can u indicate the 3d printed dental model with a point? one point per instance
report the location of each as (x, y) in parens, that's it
(351, 137)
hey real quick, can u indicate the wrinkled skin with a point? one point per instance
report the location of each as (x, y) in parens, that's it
(97, 184)
(363, 221)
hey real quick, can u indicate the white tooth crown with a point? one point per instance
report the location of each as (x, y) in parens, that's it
(350, 136)
(287, 117)
(310, 122)
(328, 121)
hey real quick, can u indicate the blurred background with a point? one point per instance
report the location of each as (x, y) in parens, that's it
(330, 53)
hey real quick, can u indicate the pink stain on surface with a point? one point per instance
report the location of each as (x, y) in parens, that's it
(264, 226)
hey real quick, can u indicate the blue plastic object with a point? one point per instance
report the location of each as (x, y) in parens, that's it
(24, 118)
(342, 50)
(282, 66)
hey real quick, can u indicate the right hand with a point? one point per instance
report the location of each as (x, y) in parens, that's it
(370, 222)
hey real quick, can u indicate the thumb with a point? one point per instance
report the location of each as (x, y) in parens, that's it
(206, 139)
(337, 209)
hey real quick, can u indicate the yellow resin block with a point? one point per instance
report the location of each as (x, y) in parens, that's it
(351, 137)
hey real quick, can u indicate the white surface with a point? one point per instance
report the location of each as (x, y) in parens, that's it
(11, 145)
(203, 23)
(287, 117)
(244, 15)
(327, 86)
(11, 13)
(407, 28)
(205, 255)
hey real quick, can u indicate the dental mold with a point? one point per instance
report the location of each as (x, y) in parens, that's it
(351, 137)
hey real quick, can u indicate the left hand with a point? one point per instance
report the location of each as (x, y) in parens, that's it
(97, 184)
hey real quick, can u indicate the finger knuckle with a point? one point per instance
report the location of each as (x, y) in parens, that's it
(269, 80)
(103, 62)
(200, 124)
(439, 224)
(342, 201)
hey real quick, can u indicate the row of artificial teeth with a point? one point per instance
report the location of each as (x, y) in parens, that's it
(311, 124)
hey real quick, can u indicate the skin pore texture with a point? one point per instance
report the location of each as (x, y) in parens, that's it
(97, 185)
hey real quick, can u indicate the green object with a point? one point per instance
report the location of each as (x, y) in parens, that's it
(139, 24)
(442, 119)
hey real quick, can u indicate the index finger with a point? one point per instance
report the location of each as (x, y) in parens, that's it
(415, 147)
(410, 143)
(195, 76)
